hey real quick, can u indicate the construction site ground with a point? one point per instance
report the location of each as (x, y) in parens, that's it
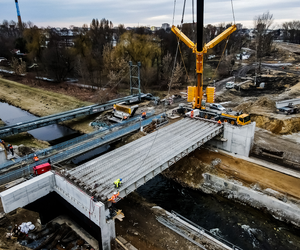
(276, 133)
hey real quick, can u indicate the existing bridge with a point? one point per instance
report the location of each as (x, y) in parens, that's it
(64, 116)
(141, 160)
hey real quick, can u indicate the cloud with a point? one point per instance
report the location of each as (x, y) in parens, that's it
(143, 12)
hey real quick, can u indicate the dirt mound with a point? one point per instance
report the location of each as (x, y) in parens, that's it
(25, 150)
(277, 126)
(18, 217)
(263, 103)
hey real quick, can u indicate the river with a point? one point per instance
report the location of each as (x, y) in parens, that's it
(52, 133)
(241, 225)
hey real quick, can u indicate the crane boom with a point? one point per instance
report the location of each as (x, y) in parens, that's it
(184, 38)
(198, 91)
(207, 46)
(219, 38)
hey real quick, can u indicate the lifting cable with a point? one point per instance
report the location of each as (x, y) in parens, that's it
(220, 59)
(177, 45)
(225, 44)
(232, 12)
(183, 61)
(174, 12)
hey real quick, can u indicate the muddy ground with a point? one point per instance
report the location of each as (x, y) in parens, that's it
(188, 172)
(143, 231)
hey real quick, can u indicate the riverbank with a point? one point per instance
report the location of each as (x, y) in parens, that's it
(255, 177)
(141, 228)
(41, 102)
(37, 101)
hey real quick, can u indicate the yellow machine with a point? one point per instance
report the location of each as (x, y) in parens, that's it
(123, 112)
(197, 91)
(235, 118)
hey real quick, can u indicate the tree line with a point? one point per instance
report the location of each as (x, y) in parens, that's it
(98, 53)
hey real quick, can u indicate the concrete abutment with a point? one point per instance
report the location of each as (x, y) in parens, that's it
(40, 186)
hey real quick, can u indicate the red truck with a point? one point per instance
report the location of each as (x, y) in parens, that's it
(40, 169)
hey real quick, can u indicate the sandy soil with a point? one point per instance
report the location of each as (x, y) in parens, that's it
(189, 171)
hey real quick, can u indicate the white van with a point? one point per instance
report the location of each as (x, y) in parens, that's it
(229, 85)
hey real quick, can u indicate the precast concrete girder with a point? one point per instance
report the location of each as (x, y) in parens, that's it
(141, 160)
(125, 164)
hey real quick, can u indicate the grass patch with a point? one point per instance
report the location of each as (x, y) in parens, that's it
(37, 101)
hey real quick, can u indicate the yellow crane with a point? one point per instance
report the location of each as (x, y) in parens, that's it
(198, 92)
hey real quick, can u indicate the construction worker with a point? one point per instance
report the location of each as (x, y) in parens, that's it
(114, 108)
(219, 122)
(11, 149)
(144, 114)
(114, 197)
(2, 141)
(117, 183)
(192, 114)
(35, 158)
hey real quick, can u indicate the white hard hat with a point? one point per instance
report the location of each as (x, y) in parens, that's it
(115, 192)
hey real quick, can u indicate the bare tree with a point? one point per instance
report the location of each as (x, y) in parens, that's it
(177, 77)
(19, 67)
(264, 38)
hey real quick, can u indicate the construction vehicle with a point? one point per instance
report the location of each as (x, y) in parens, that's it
(232, 117)
(123, 112)
(289, 109)
(195, 93)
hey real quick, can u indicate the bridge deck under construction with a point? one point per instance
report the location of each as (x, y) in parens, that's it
(141, 160)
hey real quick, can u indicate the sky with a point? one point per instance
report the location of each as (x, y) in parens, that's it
(134, 13)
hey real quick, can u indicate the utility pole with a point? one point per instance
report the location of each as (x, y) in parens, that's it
(19, 16)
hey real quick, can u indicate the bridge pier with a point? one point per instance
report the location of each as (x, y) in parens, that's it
(32, 190)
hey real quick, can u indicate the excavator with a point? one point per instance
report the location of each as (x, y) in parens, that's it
(195, 93)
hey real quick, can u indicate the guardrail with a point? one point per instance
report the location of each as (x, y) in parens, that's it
(80, 149)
